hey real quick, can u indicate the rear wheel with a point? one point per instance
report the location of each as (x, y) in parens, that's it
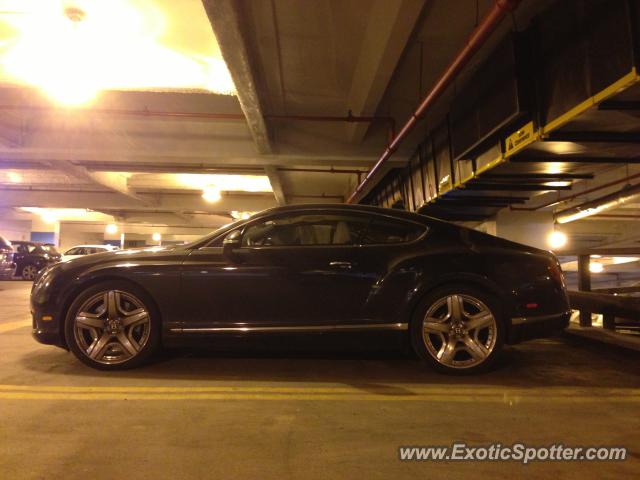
(458, 330)
(113, 326)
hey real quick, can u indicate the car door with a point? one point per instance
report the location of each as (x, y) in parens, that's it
(292, 270)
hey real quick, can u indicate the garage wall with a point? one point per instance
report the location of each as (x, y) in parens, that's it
(15, 229)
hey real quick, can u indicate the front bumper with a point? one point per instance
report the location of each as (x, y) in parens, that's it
(528, 328)
(46, 331)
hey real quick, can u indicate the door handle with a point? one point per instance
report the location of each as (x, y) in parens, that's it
(343, 265)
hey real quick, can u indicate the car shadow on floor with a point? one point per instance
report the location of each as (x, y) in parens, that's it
(561, 361)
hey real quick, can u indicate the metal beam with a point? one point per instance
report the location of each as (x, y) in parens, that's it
(276, 184)
(52, 198)
(594, 137)
(575, 159)
(226, 21)
(537, 176)
(112, 181)
(390, 23)
(517, 187)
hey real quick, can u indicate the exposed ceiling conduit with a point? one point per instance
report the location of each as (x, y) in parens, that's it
(475, 41)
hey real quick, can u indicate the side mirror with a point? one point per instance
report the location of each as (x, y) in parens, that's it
(230, 243)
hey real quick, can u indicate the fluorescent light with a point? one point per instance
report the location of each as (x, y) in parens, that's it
(72, 54)
(14, 177)
(48, 217)
(226, 183)
(557, 240)
(111, 229)
(596, 267)
(211, 194)
(156, 237)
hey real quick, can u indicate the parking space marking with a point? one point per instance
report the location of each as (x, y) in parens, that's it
(390, 393)
(7, 327)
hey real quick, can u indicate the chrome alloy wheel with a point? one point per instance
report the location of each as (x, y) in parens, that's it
(112, 327)
(459, 331)
(29, 272)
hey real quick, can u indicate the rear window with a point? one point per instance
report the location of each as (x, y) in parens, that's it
(386, 231)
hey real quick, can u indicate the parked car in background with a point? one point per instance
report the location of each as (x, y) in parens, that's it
(7, 267)
(82, 250)
(31, 257)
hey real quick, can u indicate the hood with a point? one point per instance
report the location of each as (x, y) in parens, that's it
(123, 256)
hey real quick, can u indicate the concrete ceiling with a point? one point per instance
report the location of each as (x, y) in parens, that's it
(287, 58)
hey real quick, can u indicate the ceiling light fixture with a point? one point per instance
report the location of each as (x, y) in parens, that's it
(111, 229)
(211, 194)
(557, 240)
(156, 237)
(596, 267)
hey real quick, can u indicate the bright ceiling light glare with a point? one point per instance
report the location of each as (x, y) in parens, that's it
(211, 194)
(557, 184)
(236, 215)
(14, 177)
(557, 240)
(48, 217)
(111, 229)
(227, 183)
(596, 267)
(621, 260)
(68, 49)
(156, 237)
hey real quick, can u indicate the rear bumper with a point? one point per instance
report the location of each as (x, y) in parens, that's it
(527, 328)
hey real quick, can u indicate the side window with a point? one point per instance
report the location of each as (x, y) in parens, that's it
(23, 249)
(73, 251)
(385, 231)
(306, 229)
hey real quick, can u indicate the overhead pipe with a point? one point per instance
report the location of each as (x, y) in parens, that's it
(475, 41)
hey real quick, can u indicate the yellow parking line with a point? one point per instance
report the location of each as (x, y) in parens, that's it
(425, 394)
(7, 327)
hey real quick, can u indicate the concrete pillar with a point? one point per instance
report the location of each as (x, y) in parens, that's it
(529, 228)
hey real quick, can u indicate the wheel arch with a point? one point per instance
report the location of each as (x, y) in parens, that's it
(463, 278)
(72, 294)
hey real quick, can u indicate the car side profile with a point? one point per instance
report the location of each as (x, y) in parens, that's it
(458, 295)
(32, 257)
(81, 250)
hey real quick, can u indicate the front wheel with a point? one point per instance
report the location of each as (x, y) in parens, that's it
(113, 326)
(458, 330)
(29, 272)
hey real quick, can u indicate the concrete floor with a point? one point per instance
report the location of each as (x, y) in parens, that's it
(303, 415)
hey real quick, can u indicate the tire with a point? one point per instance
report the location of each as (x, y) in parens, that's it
(465, 333)
(113, 325)
(29, 272)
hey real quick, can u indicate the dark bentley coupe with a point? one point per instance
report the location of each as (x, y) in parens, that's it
(458, 295)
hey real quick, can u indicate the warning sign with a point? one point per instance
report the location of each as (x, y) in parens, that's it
(520, 139)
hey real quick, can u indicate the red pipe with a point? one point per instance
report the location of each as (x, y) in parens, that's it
(476, 40)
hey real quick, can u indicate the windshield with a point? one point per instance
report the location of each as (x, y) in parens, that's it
(50, 249)
(223, 229)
